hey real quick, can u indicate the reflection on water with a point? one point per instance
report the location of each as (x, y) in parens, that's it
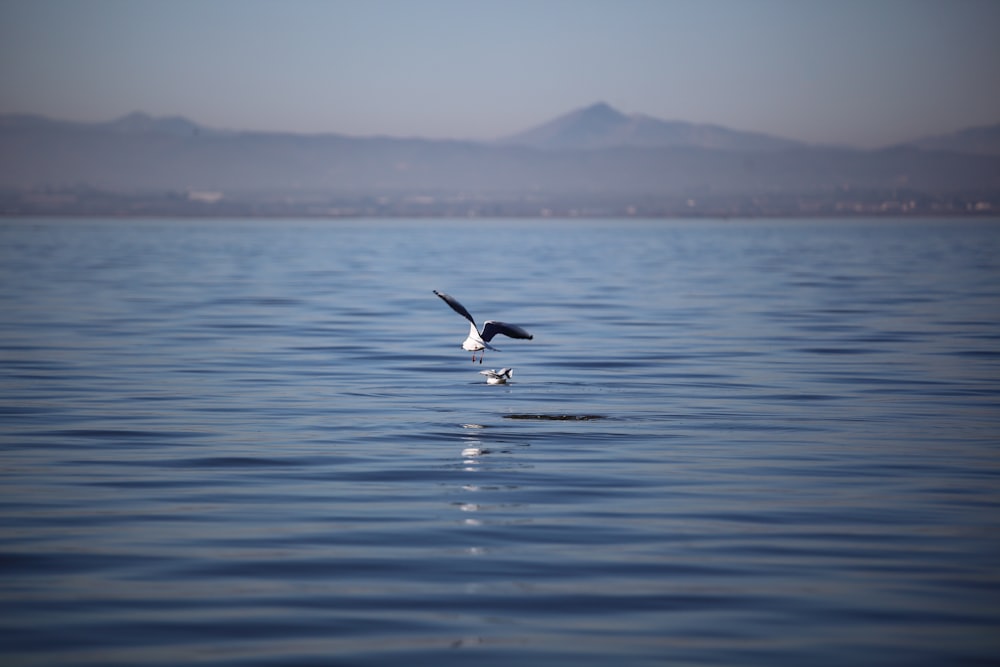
(471, 458)
(753, 443)
(473, 448)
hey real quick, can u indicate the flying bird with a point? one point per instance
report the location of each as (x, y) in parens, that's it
(498, 377)
(480, 340)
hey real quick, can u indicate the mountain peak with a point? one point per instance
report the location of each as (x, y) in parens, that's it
(582, 128)
(600, 125)
(603, 111)
(139, 122)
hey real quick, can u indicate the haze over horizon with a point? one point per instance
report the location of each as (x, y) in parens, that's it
(864, 74)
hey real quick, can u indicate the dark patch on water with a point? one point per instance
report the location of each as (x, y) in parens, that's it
(564, 418)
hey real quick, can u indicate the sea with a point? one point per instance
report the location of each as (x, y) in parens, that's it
(730, 442)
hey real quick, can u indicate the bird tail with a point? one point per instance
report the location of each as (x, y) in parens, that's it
(476, 336)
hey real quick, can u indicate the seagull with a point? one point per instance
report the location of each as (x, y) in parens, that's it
(498, 377)
(481, 341)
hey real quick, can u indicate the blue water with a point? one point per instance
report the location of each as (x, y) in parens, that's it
(729, 443)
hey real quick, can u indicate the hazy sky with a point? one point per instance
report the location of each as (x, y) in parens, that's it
(861, 72)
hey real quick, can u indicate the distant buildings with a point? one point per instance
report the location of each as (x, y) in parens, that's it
(211, 203)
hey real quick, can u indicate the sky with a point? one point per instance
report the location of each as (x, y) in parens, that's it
(863, 73)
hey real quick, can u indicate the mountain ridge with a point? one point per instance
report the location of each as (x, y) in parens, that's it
(602, 126)
(979, 140)
(596, 126)
(138, 154)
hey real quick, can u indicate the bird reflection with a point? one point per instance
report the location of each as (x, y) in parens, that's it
(478, 443)
(473, 446)
(471, 454)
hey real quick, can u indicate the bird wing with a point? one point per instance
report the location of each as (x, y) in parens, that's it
(491, 329)
(456, 306)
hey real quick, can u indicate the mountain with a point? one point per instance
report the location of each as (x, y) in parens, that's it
(602, 126)
(142, 123)
(976, 140)
(596, 155)
(136, 122)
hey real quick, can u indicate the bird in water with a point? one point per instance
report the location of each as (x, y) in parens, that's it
(480, 340)
(498, 377)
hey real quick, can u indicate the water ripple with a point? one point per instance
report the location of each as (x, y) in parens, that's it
(730, 443)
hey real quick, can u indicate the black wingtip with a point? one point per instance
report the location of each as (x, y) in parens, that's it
(456, 306)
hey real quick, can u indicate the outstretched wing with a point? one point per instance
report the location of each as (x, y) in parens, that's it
(456, 306)
(491, 329)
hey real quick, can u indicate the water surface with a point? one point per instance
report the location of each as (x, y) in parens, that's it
(259, 443)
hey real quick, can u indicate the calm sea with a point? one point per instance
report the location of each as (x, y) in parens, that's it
(233, 443)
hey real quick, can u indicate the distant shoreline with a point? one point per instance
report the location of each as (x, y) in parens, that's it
(888, 204)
